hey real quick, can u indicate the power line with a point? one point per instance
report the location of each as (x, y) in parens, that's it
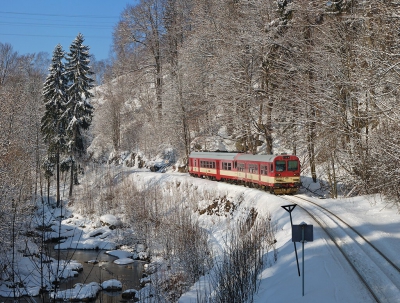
(52, 36)
(59, 15)
(58, 25)
(13, 20)
(38, 18)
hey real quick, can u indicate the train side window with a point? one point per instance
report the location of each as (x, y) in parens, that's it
(226, 166)
(293, 165)
(253, 168)
(280, 165)
(263, 169)
(206, 164)
(240, 167)
(213, 164)
(272, 167)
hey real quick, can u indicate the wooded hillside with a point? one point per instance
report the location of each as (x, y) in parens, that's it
(318, 79)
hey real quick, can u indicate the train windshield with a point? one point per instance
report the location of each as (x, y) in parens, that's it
(293, 165)
(280, 165)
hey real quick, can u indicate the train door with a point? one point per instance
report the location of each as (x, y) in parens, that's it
(195, 166)
(258, 176)
(253, 173)
(241, 171)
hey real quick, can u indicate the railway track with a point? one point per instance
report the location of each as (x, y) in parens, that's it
(380, 275)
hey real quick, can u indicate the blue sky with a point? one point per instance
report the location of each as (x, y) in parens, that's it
(32, 26)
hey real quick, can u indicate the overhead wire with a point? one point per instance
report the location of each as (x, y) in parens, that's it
(85, 21)
(50, 36)
(55, 25)
(60, 15)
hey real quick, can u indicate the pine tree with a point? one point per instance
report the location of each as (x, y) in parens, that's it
(54, 121)
(79, 109)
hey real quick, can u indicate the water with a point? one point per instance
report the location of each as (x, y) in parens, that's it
(129, 275)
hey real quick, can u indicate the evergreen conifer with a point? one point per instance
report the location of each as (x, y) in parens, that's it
(79, 110)
(54, 121)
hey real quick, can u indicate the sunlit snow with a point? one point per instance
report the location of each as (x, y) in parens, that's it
(328, 277)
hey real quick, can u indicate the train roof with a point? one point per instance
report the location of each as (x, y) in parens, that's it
(213, 155)
(258, 158)
(235, 156)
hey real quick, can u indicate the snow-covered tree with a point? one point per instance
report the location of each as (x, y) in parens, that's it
(8, 62)
(141, 27)
(79, 110)
(54, 121)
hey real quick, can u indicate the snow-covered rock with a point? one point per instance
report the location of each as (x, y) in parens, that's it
(129, 294)
(111, 221)
(124, 261)
(111, 285)
(80, 292)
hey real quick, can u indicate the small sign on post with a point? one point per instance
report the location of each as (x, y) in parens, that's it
(302, 233)
(297, 233)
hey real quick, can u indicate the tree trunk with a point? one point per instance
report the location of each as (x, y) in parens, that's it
(58, 178)
(71, 184)
(159, 86)
(311, 145)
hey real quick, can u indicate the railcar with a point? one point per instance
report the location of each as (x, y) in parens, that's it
(279, 174)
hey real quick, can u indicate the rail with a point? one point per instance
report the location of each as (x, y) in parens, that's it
(380, 264)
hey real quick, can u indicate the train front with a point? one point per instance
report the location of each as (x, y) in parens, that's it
(285, 174)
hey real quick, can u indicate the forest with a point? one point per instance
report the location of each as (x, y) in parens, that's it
(319, 79)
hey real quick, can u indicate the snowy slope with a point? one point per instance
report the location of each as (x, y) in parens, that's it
(328, 276)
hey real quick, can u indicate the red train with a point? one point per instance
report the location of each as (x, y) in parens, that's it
(280, 174)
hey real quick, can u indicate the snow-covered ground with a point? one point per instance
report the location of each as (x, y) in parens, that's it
(328, 276)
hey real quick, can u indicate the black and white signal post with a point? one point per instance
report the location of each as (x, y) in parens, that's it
(289, 209)
(300, 233)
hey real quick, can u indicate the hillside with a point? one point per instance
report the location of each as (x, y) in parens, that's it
(328, 277)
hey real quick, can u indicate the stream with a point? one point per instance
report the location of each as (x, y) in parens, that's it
(129, 275)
